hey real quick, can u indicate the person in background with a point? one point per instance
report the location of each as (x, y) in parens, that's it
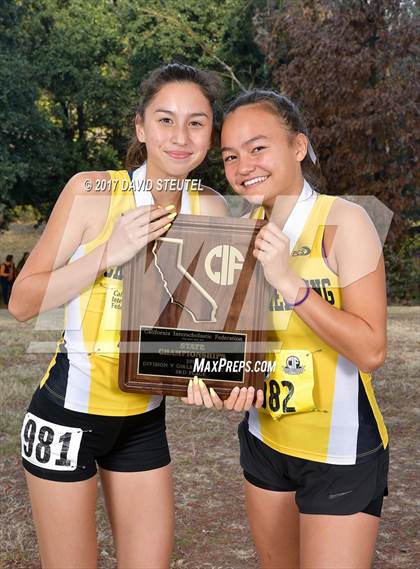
(7, 276)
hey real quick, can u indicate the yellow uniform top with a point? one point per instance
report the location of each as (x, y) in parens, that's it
(344, 425)
(83, 376)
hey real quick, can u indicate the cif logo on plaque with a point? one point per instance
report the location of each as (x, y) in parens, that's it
(231, 261)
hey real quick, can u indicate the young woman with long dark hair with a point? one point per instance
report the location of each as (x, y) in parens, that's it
(79, 419)
(314, 446)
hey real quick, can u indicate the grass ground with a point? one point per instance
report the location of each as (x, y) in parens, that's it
(211, 527)
(211, 530)
(21, 237)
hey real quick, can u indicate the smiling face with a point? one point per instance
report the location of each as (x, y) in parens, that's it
(262, 157)
(176, 128)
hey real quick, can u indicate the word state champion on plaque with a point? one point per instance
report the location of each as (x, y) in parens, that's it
(195, 303)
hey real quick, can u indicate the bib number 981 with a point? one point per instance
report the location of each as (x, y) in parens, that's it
(48, 445)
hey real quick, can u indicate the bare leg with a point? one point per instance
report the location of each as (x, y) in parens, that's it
(338, 542)
(141, 510)
(274, 522)
(65, 522)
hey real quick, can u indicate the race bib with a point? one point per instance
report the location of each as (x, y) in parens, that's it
(289, 389)
(49, 445)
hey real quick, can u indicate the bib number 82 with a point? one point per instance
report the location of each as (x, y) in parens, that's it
(49, 445)
(276, 398)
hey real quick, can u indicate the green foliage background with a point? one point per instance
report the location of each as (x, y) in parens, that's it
(70, 72)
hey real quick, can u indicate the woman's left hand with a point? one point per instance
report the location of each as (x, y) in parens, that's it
(242, 399)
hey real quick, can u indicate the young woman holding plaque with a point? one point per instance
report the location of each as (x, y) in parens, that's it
(78, 418)
(314, 447)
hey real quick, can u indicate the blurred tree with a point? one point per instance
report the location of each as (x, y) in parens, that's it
(215, 35)
(72, 70)
(351, 66)
(77, 61)
(65, 73)
(25, 134)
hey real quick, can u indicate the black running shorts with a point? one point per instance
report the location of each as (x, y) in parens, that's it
(320, 488)
(66, 446)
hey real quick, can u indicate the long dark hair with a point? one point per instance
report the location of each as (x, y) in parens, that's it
(209, 83)
(291, 117)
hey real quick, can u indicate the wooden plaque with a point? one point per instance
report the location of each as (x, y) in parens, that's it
(196, 297)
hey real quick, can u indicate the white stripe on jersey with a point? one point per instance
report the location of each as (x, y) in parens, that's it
(155, 401)
(254, 423)
(342, 448)
(79, 375)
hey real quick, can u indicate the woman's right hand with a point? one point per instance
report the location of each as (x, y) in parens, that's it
(198, 394)
(134, 229)
(239, 399)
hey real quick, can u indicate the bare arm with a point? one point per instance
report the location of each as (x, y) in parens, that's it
(46, 281)
(358, 331)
